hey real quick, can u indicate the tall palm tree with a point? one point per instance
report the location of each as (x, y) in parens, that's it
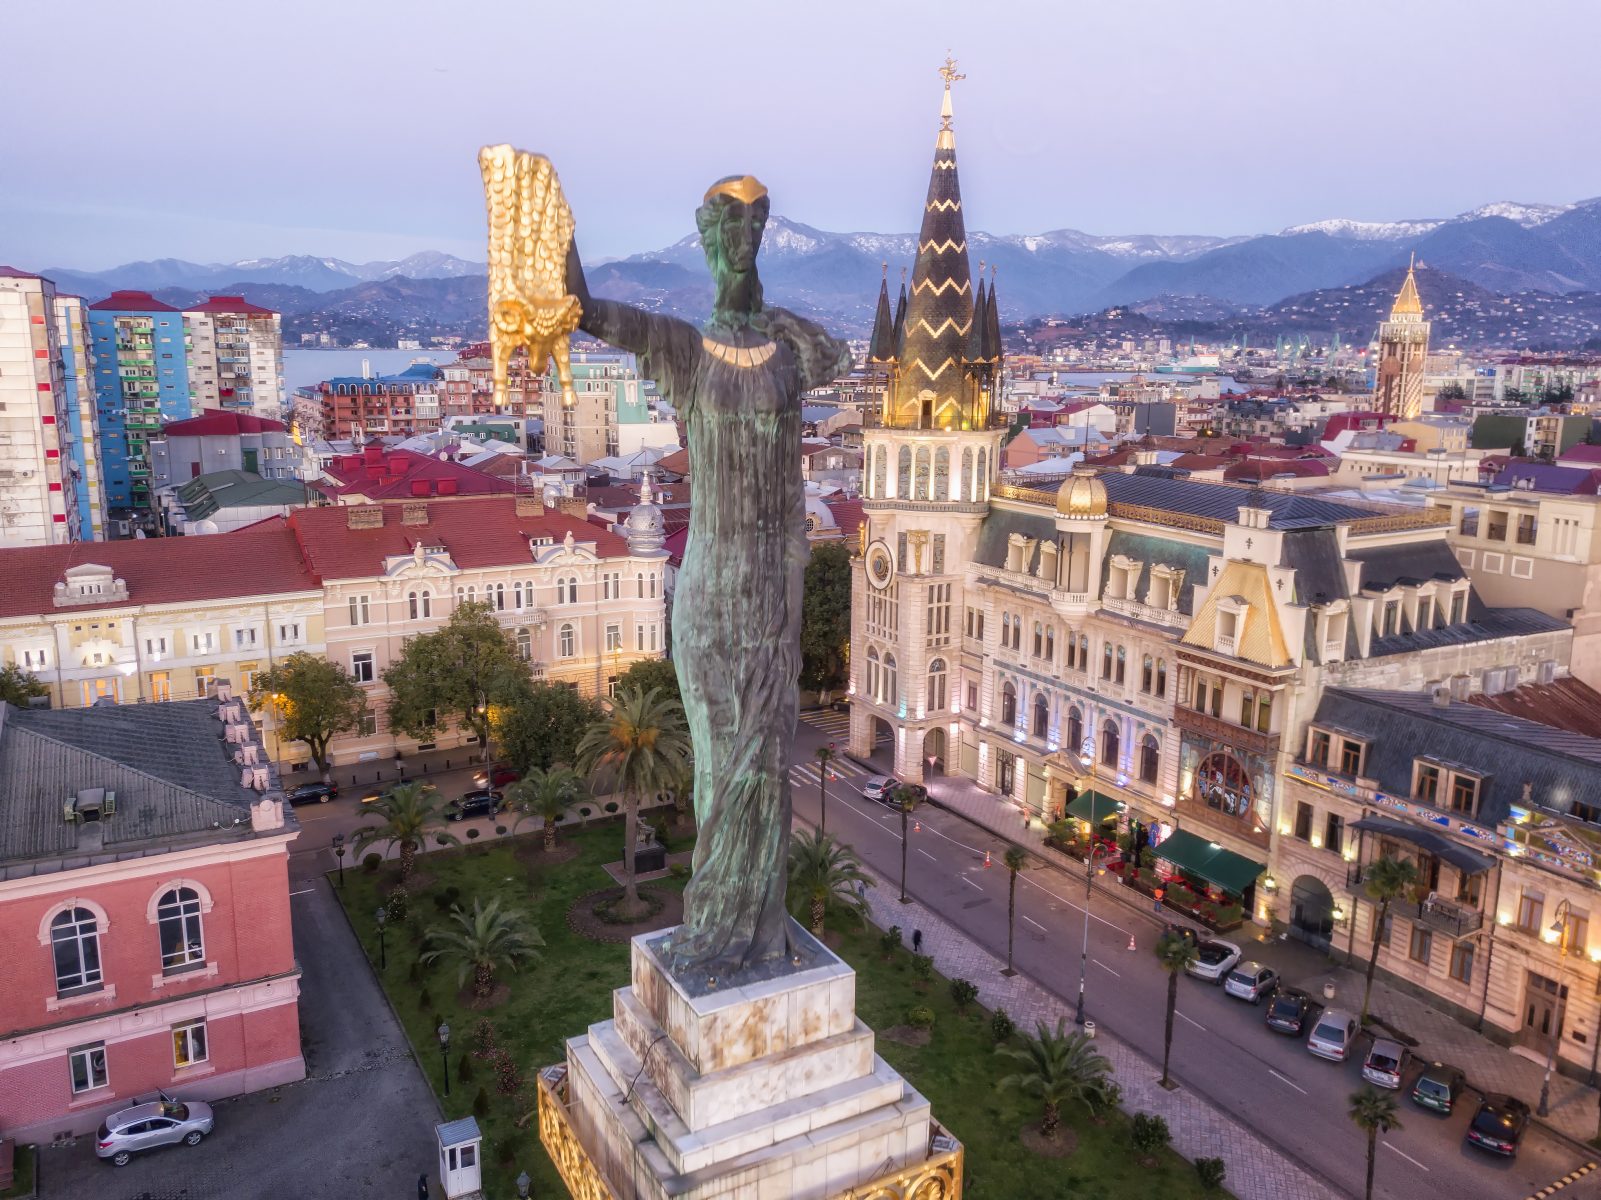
(482, 941)
(825, 756)
(1387, 880)
(547, 795)
(1015, 858)
(1056, 1067)
(906, 799)
(823, 874)
(642, 744)
(1373, 1112)
(410, 813)
(1174, 953)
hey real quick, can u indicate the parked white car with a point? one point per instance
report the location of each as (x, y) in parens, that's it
(1214, 959)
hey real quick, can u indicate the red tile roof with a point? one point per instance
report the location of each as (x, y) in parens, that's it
(1200, 462)
(261, 560)
(219, 422)
(1581, 453)
(676, 463)
(131, 302)
(13, 273)
(848, 516)
(232, 304)
(1256, 470)
(379, 474)
(477, 531)
(1565, 704)
(677, 543)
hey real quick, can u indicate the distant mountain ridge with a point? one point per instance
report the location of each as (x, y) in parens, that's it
(300, 270)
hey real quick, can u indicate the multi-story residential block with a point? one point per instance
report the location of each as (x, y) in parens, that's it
(1403, 349)
(224, 440)
(49, 468)
(610, 413)
(360, 407)
(581, 602)
(141, 365)
(236, 356)
(1539, 432)
(144, 904)
(157, 618)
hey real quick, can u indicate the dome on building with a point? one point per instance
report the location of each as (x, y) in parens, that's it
(1081, 495)
(645, 529)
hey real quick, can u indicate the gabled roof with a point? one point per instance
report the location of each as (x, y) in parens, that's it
(847, 515)
(1261, 637)
(131, 302)
(220, 422)
(231, 304)
(379, 474)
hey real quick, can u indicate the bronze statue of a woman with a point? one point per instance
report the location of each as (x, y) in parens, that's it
(737, 384)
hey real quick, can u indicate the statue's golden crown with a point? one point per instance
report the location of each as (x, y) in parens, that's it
(745, 188)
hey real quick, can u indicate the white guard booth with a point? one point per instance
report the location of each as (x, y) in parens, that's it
(460, 1172)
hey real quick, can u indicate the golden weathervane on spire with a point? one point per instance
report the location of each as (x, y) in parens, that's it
(949, 72)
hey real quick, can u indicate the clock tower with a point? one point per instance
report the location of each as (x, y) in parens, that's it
(1403, 349)
(931, 451)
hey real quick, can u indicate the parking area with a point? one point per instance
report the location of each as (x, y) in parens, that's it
(359, 1127)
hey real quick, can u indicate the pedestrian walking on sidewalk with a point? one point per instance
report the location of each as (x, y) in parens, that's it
(917, 941)
(1157, 897)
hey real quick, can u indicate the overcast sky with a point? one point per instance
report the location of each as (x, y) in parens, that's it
(349, 128)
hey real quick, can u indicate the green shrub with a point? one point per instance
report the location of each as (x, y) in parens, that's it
(922, 968)
(472, 835)
(1002, 1026)
(963, 992)
(369, 862)
(481, 1104)
(920, 1016)
(1107, 1096)
(611, 806)
(398, 906)
(890, 941)
(500, 830)
(1149, 1133)
(506, 1152)
(414, 976)
(1211, 1172)
(464, 1069)
(679, 870)
(425, 1001)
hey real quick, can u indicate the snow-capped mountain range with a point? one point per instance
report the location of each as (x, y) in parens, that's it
(1526, 215)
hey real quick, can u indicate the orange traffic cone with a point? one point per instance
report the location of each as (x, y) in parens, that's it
(986, 858)
(917, 827)
(1131, 941)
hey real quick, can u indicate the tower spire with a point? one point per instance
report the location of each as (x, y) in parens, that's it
(1407, 301)
(947, 136)
(882, 346)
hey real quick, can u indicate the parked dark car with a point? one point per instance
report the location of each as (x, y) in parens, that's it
(314, 793)
(482, 803)
(1438, 1087)
(1288, 1011)
(1499, 1124)
(497, 776)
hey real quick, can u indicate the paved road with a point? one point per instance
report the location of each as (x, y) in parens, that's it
(1221, 1047)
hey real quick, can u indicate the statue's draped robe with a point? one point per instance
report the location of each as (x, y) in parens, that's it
(737, 603)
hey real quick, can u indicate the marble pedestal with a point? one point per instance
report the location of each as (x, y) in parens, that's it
(766, 1091)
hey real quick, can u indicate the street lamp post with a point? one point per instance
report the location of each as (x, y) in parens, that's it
(825, 755)
(1560, 928)
(444, 1052)
(1084, 946)
(339, 853)
(382, 917)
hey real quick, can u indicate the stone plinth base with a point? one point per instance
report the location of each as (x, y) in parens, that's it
(766, 1091)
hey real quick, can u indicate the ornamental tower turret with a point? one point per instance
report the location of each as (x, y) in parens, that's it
(931, 453)
(1403, 348)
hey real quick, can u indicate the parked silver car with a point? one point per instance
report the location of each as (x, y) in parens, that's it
(1385, 1063)
(1333, 1035)
(164, 1122)
(1251, 981)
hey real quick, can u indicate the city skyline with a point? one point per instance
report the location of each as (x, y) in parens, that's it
(1250, 132)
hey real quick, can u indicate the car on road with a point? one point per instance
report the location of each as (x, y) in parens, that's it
(1499, 1124)
(497, 776)
(882, 789)
(1385, 1063)
(1288, 1011)
(1214, 959)
(1251, 981)
(313, 793)
(481, 803)
(163, 1122)
(1333, 1035)
(1438, 1087)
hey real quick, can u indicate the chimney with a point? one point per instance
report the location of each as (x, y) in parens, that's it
(530, 505)
(364, 516)
(414, 512)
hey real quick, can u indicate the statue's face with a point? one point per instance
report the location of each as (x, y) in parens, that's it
(736, 234)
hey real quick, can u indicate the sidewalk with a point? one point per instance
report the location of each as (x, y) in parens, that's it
(1490, 1066)
(1256, 1171)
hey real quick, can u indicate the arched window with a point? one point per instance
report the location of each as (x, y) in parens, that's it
(517, 595)
(1017, 634)
(1075, 730)
(1248, 708)
(1106, 661)
(873, 674)
(936, 686)
(525, 644)
(1150, 759)
(1109, 744)
(1161, 677)
(1006, 630)
(1050, 643)
(1147, 673)
(942, 474)
(880, 472)
(904, 490)
(1083, 652)
(1042, 715)
(1223, 784)
(1122, 664)
(566, 641)
(982, 479)
(1008, 704)
(652, 577)
(496, 594)
(892, 687)
(1039, 640)
(178, 921)
(426, 599)
(75, 943)
(965, 484)
(920, 485)
(572, 590)
(411, 605)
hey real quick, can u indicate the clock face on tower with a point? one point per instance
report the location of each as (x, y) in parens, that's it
(880, 565)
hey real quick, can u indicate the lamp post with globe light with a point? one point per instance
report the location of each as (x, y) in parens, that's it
(339, 853)
(382, 917)
(444, 1052)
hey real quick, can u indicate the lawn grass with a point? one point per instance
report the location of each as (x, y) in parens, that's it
(571, 988)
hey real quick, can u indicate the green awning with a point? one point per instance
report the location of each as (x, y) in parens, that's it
(1093, 807)
(1230, 871)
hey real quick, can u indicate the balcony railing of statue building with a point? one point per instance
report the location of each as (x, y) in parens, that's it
(1218, 730)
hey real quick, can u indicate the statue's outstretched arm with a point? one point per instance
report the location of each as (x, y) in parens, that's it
(821, 356)
(667, 347)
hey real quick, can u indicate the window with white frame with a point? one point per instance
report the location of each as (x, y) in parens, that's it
(189, 1044)
(525, 643)
(566, 641)
(183, 944)
(87, 1066)
(156, 645)
(611, 585)
(289, 632)
(361, 666)
(360, 610)
(37, 659)
(244, 639)
(75, 945)
(203, 643)
(614, 638)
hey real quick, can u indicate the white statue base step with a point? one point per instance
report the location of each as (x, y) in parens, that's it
(767, 1091)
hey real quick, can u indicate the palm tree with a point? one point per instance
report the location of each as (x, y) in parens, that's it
(824, 874)
(643, 745)
(825, 756)
(906, 799)
(482, 941)
(1055, 1068)
(545, 794)
(1174, 953)
(1387, 880)
(410, 812)
(1015, 858)
(1374, 1113)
